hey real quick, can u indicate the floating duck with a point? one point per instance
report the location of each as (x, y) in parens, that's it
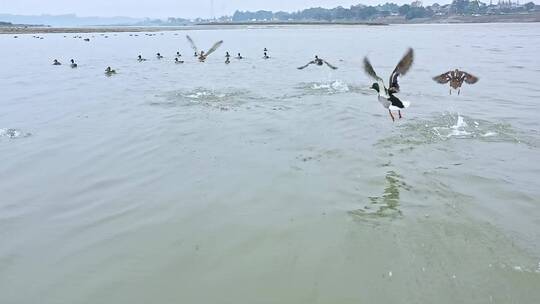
(386, 96)
(73, 64)
(318, 61)
(227, 55)
(56, 62)
(239, 56)
(178, 61)
(456, 79)
(178, 54)
(203, 56)
(265, 56)
(140, 59)
(227, 60)
(86, 39)
(109, 71)
(158, 56)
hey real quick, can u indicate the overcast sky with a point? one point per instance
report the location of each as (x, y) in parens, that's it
(171, 8)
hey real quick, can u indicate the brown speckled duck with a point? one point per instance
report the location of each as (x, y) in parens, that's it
(456, 79)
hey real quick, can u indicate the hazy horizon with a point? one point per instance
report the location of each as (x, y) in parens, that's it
(174, 8)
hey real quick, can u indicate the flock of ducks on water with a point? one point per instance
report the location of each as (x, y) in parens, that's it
(386, 95)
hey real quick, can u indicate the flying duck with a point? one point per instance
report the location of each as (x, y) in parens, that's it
(203, 56)
(73, 64)
(109, 71)
(456, 79)
(386, 95)
(318, 61)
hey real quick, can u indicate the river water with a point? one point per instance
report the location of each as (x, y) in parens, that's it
(256, 182)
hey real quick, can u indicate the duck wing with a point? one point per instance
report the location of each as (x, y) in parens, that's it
(402, 68)
(192, 43)
(329, 65)
(443, 78)
(214, 48)
(306, 65)
(368, 68)
(469, 78)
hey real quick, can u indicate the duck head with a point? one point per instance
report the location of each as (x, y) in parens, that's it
(375, 86)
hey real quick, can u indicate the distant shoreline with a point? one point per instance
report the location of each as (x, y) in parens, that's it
(296, 23)
(507, 18)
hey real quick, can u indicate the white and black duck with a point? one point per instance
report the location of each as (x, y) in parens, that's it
(386, 95)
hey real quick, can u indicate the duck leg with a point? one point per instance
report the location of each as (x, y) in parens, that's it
(399, 112)
(391, 116)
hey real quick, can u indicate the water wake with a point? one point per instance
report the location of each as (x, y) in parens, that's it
(450, 126)
(221, 99)
(13, 133)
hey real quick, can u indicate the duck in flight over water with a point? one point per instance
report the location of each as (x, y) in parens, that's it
(386, 95)
(318, 61)
(456, 79)
(203, 56)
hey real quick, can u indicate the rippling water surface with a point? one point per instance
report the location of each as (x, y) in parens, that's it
(255, 182)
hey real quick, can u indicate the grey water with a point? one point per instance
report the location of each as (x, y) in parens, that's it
(256, 182)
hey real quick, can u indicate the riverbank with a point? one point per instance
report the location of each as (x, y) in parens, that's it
(506, 18)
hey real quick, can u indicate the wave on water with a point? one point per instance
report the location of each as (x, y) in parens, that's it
(327, 88)
(221, 99)
(13, 133)
(451, 126)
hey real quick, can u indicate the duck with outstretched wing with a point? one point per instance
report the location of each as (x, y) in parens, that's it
(386, 95)
(456, 79)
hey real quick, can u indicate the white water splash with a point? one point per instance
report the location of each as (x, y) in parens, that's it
(459, 128)
(13, 133)
(336, 86)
